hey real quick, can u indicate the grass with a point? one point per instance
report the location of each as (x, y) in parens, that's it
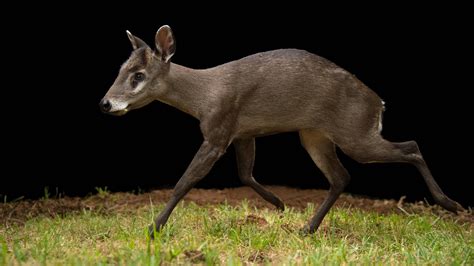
(234, 235)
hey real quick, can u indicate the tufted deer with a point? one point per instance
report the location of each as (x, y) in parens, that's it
(262, 94)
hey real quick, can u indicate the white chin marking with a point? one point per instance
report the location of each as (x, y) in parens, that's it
(121, 112)
(118, 106)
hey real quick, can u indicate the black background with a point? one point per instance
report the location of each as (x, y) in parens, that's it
(61, 60)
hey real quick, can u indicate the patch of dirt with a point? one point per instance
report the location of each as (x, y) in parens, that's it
(20, 211)
(195, 256)
(253, 219)
(257, 257)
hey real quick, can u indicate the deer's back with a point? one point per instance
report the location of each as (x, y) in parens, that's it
(289, 89)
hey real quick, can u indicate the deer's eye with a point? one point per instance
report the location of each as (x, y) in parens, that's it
(138, 77)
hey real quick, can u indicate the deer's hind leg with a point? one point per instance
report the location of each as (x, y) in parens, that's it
(323, 152)
(245, 152)
(373, 148)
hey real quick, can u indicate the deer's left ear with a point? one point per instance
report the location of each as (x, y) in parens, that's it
(165, 43)
(136, 42)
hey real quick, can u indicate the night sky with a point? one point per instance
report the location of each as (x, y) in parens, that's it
(61, 63)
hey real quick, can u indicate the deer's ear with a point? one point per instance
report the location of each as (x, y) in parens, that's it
(165, 43)
(136, 42)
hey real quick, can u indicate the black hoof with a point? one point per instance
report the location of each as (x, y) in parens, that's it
(280, 206)
(450, 204)
(306, 230)
(151, 231)
(453, 206)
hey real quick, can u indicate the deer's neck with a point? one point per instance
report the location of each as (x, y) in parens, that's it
(189, 90)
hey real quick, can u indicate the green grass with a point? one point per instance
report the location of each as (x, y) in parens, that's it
(224, 234)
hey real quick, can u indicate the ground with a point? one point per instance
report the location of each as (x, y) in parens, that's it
(231, 226)
(292, 197)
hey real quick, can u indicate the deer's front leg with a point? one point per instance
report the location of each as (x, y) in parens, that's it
(201, 164)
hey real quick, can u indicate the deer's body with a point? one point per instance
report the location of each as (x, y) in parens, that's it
(277, 91)
(266, 93)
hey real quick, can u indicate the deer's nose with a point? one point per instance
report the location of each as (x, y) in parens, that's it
(105, 105)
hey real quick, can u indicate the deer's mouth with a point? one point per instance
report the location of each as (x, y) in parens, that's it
(119, 112)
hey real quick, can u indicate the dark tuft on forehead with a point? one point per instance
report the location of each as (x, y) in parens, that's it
(138, 60)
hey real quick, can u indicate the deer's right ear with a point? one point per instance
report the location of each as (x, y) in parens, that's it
(165, 43)
(136, 42)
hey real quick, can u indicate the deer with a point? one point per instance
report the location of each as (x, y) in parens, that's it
(285, 90)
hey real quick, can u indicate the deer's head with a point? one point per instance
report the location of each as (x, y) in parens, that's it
(142, 77)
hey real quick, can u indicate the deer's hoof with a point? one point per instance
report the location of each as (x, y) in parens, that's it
(279, 205)
(151, 231)
(306, 230)
(454, 206)
(450, 204)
